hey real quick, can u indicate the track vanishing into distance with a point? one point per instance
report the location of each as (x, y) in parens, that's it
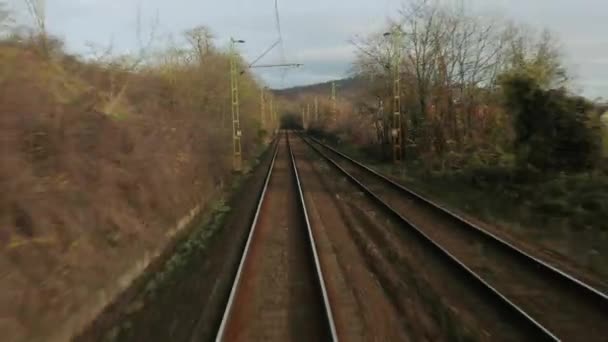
(337, 251)
(279, 291)
(538, 298)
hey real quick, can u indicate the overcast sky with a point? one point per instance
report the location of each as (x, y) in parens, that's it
(316, 32)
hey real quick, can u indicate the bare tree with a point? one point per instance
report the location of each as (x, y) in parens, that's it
(536, 54)
(6, 20)
(451, 60)
(373, 57)
(201, 40)
(420, 21)
(120, 68)
(37, 10)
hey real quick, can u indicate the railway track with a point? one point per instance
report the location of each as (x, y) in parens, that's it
(279, 291)
(384, 285)
(549, 303)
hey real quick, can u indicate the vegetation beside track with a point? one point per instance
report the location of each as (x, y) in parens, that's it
(503, 139)
(103, 158)
(564, 212)
(170, 293)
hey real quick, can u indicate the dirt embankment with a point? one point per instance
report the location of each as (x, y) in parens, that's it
(88, 197)
(184, 296)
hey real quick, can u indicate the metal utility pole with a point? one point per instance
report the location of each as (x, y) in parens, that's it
(271, 110)
(396, 133)
(276, 118)
(37, 9)
(316, 110)
(380, 122)
(397, 136)
(334, 107)
(237, 158)
(262, 109)
(307, 115)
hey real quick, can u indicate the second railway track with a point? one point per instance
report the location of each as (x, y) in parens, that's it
(279, 291)
(557, 305)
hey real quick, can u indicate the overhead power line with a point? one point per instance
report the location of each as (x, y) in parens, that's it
(281, 45)
(278, 24)
(264, 53)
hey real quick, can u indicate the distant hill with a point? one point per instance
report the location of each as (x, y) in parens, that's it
(345, 88)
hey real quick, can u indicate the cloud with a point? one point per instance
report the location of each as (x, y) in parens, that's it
(600, 61)
(316, 32)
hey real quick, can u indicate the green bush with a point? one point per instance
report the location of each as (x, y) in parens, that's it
(554, 130)
(556, 189)
(553, 207)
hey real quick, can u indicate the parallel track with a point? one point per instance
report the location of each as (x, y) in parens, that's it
(306, 310)
(593, 302)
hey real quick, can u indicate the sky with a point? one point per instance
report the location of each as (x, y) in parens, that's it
(317, 32)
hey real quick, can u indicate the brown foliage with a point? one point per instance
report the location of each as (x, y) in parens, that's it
(85, 193)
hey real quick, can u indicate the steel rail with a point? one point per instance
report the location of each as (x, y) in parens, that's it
(237, 281)
(589, 290)
(533, 326)
(221, 334)
(313, 246)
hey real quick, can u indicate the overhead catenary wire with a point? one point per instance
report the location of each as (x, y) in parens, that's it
(264, 53)
(278, 25)
(281, 45)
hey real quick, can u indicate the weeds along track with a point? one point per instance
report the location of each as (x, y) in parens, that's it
(279, 292)
(546, 301)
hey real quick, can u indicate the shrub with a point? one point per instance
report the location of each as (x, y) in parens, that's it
(554, 131)
(98, 161)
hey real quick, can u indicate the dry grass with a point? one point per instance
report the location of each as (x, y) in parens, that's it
(97, 162)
